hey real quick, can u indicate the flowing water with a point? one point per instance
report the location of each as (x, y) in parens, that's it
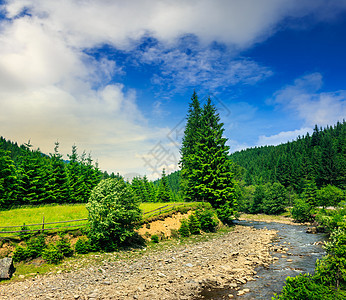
(302, 250)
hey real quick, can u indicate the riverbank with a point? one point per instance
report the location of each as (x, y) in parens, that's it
(270, 218)
(173, 270)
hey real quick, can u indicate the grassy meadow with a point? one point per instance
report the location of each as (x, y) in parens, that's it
(54, 213)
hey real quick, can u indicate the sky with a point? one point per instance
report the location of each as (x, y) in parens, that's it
(115, 78)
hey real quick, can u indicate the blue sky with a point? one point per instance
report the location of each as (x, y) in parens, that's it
(115, 77)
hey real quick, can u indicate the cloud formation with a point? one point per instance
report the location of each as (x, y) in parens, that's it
(51, 88)
(302, 99)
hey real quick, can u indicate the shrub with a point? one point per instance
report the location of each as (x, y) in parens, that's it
(82, 246)
(52, 254)
(25, 235)
(21, 253)
(275, 199)
(64, 246)
(194, 225)
(154, 238)
(114, 214)
(184, 230)
(226, 213)
(207, 219)
(301, 211)
(36, 246)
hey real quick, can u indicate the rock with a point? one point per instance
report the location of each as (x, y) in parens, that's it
(189, 265)
(312, 230)
(289, 260)
(6, 268)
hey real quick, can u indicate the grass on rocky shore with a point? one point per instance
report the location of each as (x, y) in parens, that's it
(56, 213)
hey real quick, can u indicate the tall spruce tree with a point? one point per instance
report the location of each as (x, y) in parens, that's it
(187, 151)
(205, 164)
(8, 180)
(163, 191)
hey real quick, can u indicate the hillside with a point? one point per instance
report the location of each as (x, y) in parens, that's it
(320, 157)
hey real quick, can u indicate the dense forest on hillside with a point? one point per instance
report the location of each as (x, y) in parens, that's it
(320, 157)
(29, 177)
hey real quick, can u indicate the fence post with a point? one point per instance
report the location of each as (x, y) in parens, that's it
(43, 223)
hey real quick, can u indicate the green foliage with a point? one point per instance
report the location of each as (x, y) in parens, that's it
(184, 230)
(114, 213)
(34, 249)
(330, 196)
(206, 170)
(301, 211)
(82, 246)
(154, 238)
(305, 287)
(25, 235)
(21, 253)
(207, 219)
(52, 254)
(275, 199)
(64, 246)
(194, 224)
(163, 192)
(226, 213)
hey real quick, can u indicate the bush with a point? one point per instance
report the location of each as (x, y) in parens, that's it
(207, 219)
(114, 214)
(301, 211)
(82, 246)
(275, 199)
(194, 225)
(304, 287)
(64, 246)
(226, 213)
(154, 238)
(52, 254)
(36, 246)
(184, 230)
(21, 253)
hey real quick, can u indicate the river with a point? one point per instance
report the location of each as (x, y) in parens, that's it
(302, 250)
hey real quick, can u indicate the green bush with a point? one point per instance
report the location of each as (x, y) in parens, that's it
(301, 211)
(21, 253)
(207, 219)
(114, 214)
(36, 246)
(184, 230)
(82, 246)
(154, 238)
(194, 225)
(64, 246)
(304, 287)
(226, 213)
(52, 254)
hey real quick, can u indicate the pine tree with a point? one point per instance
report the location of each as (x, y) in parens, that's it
(191, 136)
(163, 192)
(8, 180)
(206, 167)
(75, 178)
(59, 179)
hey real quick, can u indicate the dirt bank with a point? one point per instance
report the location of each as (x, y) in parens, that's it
(179, 271)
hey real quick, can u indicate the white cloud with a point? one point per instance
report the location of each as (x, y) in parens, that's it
(50, 88)
(303, 100)
(282, 137)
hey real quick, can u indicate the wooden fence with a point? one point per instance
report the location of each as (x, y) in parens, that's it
(42, 225)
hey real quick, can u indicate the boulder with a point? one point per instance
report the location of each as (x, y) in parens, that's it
(6, 268)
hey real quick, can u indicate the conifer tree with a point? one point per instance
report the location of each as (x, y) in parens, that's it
(76, 183)
(8, 180)
(59, 179)
(206, 168)
(188, 151)
(163, 192)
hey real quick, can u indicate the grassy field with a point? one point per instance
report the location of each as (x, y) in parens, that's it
(54, 213)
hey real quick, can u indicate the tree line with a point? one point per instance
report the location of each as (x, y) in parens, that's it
(29, 177)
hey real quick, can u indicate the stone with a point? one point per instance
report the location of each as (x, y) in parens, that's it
(6, 268)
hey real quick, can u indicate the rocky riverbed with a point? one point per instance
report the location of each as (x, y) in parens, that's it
(178, 271)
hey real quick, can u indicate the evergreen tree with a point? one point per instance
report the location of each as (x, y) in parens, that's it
(206, 167)
(163, 192)
(188, 149)
(76, 183)
(59, 179)
(8, 180)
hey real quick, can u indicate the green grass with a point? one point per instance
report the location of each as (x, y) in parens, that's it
(54, 213)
